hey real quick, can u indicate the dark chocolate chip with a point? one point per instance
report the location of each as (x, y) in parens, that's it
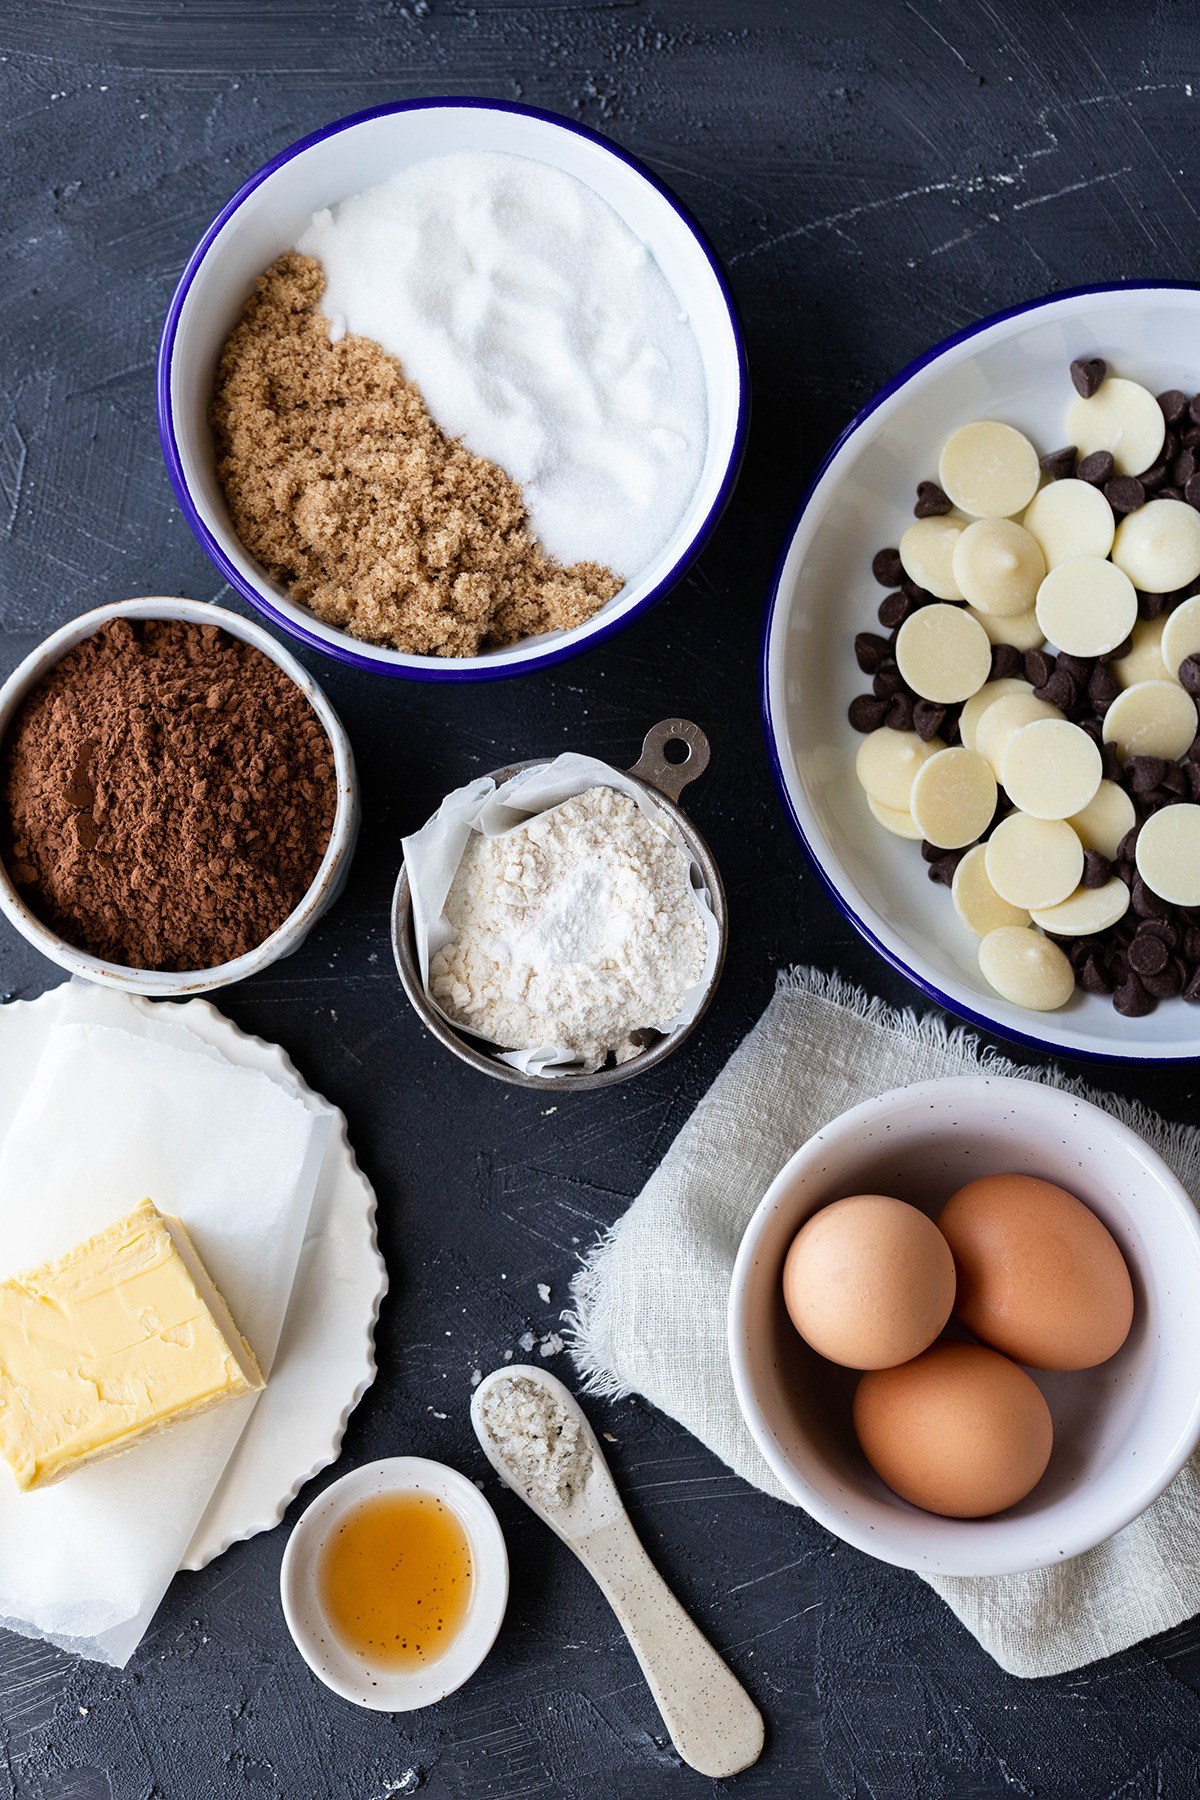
(1170, 493)
(1148, 955)
(1039, 667)
(888, 683)
(1059, 464)
(1173, 405)
(1131, 999)
(943, 869)
(1194, 409)
(899, 715)
(1150, 605)
(894, 610)
(1093, 979)
(1097, 468)
(1079, 668)
(932, 503)
(928, 718)
(1154, 478)
(1117, 651)
(1093, 728)
(1096, 869)
(1191, 490)
(1127, 847)
(1160, 928)
(1078, 951)
(1192, 771)
(1189, 437)
(887, 568)
(1169, 983)
(918, 595)
(1124, 493)
(1191, 989)
(1007, 662)
(931, 852)
(866, 712)
(1144, 772)
(1191, 943)
(1087, 373)
(870, 651)
(1060, 691)
(1145, 904)
(1175, 780)
(1103, 686)
(1183, 468)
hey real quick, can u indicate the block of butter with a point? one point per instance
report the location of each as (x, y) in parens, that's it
(122, 1335)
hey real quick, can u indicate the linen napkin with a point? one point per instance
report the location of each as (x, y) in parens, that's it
(126, 1103)
(656, 1326)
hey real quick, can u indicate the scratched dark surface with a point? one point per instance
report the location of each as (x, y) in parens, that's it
(875, 174)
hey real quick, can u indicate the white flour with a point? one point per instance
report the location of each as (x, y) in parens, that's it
(541, 331)
(578, 930)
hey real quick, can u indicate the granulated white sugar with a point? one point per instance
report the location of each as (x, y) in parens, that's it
(541, 331)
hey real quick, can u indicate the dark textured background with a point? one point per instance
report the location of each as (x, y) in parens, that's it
(875, 173)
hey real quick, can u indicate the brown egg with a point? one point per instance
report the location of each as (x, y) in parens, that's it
(960, 1430)
(869, 1281)
(1039, 1276)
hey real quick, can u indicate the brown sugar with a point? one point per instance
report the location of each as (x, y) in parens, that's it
(167, 795)
(342, 485)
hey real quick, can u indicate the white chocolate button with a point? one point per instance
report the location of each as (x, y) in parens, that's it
(1180, 636)
(1144, 662)
(1158, 546)
(888, 760)
(1168, 854)
(1050, 769)
(998, 566)
(953, 798)
(1026, 968)
(976, 901)
(1086, 910)
(989, 470)
(1121, 416)
(1022, 631)
(900, 824)
(974, 709)
(927, 554)
(1070, 518)
(1104, 820)
(1086, 606)
(1033, 862)
(1152, 718)
(943, 654)
(1006, 716)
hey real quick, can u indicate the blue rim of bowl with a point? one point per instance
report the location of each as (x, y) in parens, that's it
(437, 671)
(899, 380)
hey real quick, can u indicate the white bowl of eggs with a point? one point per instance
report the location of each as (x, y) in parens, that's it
(1008, 1379)
(1055, 567)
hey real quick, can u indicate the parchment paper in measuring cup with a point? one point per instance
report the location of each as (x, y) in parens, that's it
(432, 856)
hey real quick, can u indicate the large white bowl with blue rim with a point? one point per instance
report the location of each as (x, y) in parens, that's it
(1013, 367)
(266, 217)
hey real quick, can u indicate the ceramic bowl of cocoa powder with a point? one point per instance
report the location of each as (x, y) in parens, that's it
(178, 799)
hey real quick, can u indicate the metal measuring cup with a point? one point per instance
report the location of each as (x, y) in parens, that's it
(663, 782)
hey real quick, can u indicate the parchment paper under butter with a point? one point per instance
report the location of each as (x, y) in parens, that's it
(432, 856)
(123, 1106)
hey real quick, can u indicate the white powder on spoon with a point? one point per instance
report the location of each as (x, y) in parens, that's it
(580, 930)
(541, 331)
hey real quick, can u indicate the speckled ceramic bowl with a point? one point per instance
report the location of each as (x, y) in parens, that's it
(266, 217)
(330, 877)
(1122, 1431)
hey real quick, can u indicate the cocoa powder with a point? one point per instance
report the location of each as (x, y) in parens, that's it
(166, 795)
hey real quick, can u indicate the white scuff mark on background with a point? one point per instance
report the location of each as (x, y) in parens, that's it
(1073, 187)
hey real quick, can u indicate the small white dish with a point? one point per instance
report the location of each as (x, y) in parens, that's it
(1012, 367)
(1122, 1431)
(326, 884)
(268, 215)
(348, 1674)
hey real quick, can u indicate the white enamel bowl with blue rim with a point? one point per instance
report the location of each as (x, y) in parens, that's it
(1122, 1431)
(1012, 367)
(266, 217)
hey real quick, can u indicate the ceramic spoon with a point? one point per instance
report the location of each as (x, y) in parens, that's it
(713, 1722)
